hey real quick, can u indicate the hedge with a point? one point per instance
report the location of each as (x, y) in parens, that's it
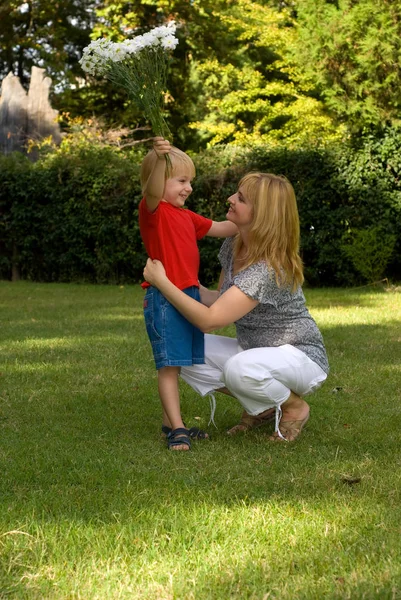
(73, 214)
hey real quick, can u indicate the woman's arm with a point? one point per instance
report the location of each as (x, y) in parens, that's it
(229, 307)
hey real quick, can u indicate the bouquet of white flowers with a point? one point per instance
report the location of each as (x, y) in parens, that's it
(139, 65)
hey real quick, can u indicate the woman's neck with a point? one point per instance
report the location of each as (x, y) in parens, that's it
(244, 235)
(240, 255)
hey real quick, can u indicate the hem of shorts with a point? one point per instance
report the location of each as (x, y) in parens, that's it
(180, 363)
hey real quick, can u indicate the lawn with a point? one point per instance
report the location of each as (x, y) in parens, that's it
(93, 506)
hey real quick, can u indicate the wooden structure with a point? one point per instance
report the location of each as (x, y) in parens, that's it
(26, 116)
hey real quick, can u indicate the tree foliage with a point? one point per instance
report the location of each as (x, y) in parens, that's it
(256, 93)
(44, 33)
(233, 78)
(244, 72)
(352, 50)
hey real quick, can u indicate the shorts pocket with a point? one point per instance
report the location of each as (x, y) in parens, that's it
(153, 314)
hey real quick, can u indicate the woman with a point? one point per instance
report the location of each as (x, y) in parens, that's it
(279, 354)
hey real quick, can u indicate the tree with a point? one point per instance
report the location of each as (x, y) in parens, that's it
(352, 51)
(257, 93)
(233, 79)
(44, 33)
(201, 32)
(233, 76)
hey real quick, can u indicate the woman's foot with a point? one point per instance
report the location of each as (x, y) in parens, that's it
(295, 414)
(252, 422)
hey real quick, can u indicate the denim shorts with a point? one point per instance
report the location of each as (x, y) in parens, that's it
(175, 342)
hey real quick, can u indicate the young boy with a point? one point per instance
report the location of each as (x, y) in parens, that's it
(170, 233)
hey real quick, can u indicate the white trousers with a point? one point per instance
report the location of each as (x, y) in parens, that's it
(260, 378)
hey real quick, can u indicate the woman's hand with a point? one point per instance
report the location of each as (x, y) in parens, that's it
(154, 272)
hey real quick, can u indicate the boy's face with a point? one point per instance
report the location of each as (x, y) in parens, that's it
(177, 190)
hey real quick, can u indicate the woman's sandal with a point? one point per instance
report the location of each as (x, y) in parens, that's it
(290, 430)
(194, 432)
(178, 437)
(249, 422)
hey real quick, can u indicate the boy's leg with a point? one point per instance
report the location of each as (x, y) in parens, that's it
(166, 420)
(170, 399)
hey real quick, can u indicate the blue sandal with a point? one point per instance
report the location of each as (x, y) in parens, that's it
(194, 433)
(177, 437)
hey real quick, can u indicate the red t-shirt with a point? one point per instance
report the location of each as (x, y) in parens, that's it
(170, 235)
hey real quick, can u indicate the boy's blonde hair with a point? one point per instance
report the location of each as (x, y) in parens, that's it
(181, 164)
(274, 232)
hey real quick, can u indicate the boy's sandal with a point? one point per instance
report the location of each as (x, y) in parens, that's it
(194, 432)
(178, 437)
(249, 422)
(290, 430)
(197, 434)
(166, 430)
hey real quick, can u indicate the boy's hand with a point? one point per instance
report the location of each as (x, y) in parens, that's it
(154, 272)
(161, 146)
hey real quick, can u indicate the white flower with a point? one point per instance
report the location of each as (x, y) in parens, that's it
(169, 42)
(95, 57)
(117, 52)
(149, 39)
(130, 46)
(164, 30)
(139, 42)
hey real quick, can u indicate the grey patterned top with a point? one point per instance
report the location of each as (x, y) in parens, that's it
(281, 317)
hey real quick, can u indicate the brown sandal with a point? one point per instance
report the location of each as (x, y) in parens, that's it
(290, 430)
(249, 422)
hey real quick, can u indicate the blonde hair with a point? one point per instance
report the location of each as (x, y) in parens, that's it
(180, 164)
(274, 231)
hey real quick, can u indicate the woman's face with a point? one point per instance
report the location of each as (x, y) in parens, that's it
(240, 211)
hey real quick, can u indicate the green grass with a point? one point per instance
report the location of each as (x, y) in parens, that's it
(93, 506)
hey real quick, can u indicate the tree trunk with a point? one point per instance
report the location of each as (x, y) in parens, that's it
(13, 115)
(42, 117)
(25, 116)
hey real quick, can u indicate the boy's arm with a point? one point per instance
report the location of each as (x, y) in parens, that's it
(208, 297)
(154, 186)
(222, 229)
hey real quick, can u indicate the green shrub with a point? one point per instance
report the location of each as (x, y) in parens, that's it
(19, 217)
(73, 215)
(77, 219)
(370, 251)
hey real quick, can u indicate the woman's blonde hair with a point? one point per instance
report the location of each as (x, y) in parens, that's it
(274, 231)
(180, 164)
